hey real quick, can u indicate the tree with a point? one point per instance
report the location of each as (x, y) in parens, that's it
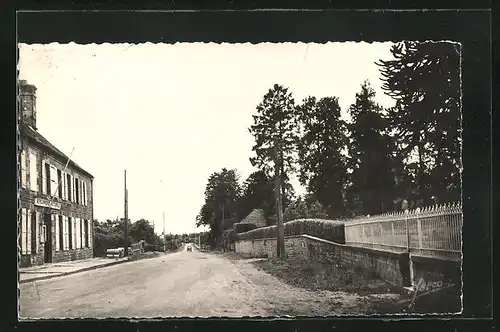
(143, 230)
(302, 208)
(274, 130)
(322, 165)
(424, 79)
(257, 194)
(372, 187)
(221, 196)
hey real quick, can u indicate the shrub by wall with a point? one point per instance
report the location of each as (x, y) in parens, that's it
(325, 229)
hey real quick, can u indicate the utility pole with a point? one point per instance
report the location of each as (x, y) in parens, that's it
(126, 216)
(280, 236)
(164, 235)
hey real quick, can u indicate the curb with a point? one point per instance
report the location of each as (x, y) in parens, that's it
(75, 271)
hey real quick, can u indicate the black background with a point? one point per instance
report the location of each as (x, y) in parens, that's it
(469, 27)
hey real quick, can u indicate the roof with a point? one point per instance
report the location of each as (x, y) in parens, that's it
(255, 217)
(41, 141)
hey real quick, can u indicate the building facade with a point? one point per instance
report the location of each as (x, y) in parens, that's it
(55, 195)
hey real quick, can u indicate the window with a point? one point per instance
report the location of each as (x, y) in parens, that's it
(47, 179)
(68, 184)
(59, 184)
(84, 193)
(25, 232)
(73, 184)
(33, 172)
(77, 190)
(87, 232)
(24, 182)
(60, 245)
(69, 234)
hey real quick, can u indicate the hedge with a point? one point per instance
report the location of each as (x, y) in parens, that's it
(325, 229)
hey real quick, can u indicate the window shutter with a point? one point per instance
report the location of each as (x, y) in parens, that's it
(77, 237)
(53, 180)
(58, 244)
(33, 172)
(89, 233)
(23, 169)
(82, 233)
(28, 231)
(36, 231)
(73, 231)
(23, 230)
(44, 178)
(65, 234)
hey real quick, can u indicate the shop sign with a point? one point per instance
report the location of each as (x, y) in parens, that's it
(47, 203)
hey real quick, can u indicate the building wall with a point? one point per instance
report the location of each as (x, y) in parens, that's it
(392, 267)
(69, 209)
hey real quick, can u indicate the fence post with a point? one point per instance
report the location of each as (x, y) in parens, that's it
(382, 235)
(393, 235)
(419, 232)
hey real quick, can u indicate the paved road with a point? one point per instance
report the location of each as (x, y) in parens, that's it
(181, 284)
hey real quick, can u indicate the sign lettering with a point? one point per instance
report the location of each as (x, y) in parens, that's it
(47, 203)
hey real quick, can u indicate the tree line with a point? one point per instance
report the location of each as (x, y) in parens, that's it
(111, 234)
(380, 160)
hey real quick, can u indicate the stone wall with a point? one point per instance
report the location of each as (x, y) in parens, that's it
(392, 267)
(432, 269)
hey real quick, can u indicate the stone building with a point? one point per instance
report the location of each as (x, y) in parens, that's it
(55, 195)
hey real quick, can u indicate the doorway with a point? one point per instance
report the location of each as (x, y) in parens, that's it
(47, 221)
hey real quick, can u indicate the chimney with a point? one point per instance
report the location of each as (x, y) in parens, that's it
(27, 103)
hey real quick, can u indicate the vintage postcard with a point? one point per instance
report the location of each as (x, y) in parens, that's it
(239, 180)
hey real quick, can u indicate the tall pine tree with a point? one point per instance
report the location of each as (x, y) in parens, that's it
(372, 160)
(424, 78)
(275, 135)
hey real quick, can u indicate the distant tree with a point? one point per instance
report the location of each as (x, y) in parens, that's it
(222, 193)
(258, 193)
(297, 209)
(302, 208)
(143, 230)
(424, 79)
(323, 167)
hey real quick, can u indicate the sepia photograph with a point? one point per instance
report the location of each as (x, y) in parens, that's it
(162, 180)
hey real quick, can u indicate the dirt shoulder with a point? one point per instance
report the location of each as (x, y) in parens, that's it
(301, 288)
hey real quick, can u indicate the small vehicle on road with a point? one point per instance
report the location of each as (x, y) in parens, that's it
(189, 248)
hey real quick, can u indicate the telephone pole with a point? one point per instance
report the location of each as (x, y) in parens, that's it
(280, 236)
(164, 235)
(126, 216)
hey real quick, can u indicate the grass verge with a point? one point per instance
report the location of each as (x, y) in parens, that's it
(318, 276)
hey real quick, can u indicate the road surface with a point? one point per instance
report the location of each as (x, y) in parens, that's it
(182, 284)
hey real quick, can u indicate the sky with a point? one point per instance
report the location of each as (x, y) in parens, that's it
(172, 114)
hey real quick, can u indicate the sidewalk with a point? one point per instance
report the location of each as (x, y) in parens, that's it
(47, 271)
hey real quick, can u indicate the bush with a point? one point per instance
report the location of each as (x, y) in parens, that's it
(325, 229)
(243, 227)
